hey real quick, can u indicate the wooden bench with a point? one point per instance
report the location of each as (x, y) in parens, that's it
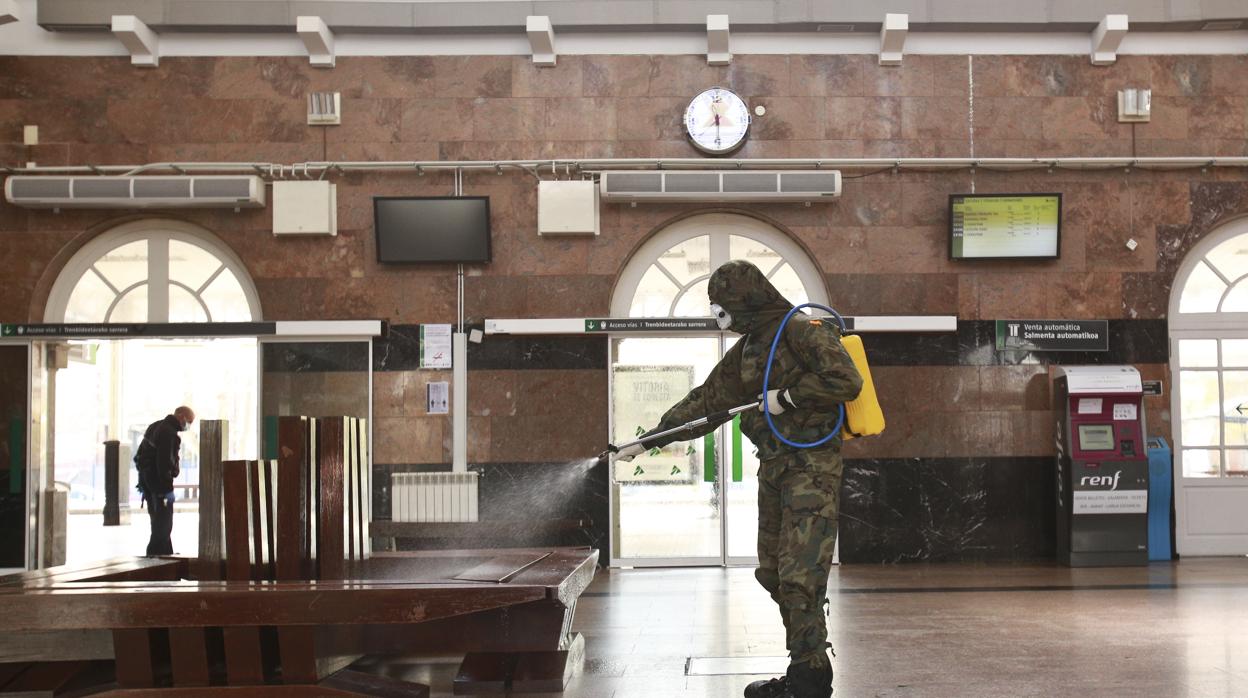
(298, 596)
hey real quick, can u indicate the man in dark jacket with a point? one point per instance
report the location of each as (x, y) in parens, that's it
(798, 489)
(158, 462)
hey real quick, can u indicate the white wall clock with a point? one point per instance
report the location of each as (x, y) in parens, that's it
(717, 121)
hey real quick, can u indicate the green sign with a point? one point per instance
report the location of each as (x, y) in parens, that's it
(154, 329)
(656, 324)
(1052, 335)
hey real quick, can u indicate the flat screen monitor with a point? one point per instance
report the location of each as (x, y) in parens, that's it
(413, 229)
(1096, 437)
(1005, 226)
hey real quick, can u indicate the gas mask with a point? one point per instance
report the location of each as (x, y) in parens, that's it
(723, 318)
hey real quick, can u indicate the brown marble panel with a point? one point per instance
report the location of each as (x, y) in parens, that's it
(78, 77)
(756, 75)
(913, 250)
(496, 296)
(1013, 295)
(565, 79)
(1169, 119)
(982, 433)
(1014, 388)
(60, 120)
(493, 393)
(478, 440)
(1090, 295)
(790, 118)
(927, 203)
(1230, 75)
(509, 150)
(409, 439)
(1146, 295)
(918, 294)
(289, 256)
(836, 249)
(968, 297)
(405, 393)
(528, 254)
(260, 77)
(683, 76)
(854, 294)
(910, 79)
(438, 119)
(473, 76)
(851, 118)
(868, 201)
(1181, 76)
(393, 294)
(819, 76)
(291, 299)
(1007, 118)
(933, 118)
(615, 76)
(206, 121)
(368, 121)
(100, 154)
(569, 296)
(388, 151)
(650, 118)
(1219, 117)
(572, 423)
(514, 119)
(1093, 117)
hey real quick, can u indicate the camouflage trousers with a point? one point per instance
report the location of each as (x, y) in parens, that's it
(798, 501)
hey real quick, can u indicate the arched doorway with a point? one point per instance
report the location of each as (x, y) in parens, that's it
(1209, 400)
(146, 272)
(695, 503)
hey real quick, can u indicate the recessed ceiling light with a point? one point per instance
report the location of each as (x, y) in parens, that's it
(835, 28)
(1221, 25)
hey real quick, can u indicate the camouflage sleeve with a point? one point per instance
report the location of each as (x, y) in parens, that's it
(722, 390)
(830, 377)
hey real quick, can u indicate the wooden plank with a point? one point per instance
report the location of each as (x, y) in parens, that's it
(115, 568)
(366, 490)
(134, 652)
(243, 656)
(58, 644)
(297, 647)
(525, 529)
(293, 505)
(260, 496)
(42, 677)
(331, 513)
(484, 672)
(10, 671)
(502, 567)
(548, 672)
(213, 449)
(238, 540)
(188, 653)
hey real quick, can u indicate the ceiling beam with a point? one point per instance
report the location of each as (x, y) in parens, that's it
(142, 43)
(318, 39)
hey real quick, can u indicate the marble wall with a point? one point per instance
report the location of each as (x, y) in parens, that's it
(958, 412)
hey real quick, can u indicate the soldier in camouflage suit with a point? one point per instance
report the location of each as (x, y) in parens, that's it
(798, 489)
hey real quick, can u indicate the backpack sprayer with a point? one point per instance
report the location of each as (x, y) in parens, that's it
(864, 413)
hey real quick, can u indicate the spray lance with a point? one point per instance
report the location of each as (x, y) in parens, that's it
(728, 414)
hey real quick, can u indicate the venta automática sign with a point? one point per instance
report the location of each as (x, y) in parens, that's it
(1052, 335)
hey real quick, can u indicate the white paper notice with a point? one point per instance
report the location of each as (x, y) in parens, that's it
(435, 346)
(1106, 502)
(439, 397)
(1124, 412)
(1089, 405)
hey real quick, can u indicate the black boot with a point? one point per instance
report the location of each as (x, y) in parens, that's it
(771, 688)
(810, 680)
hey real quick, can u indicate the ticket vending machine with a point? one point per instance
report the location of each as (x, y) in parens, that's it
(1102, 467)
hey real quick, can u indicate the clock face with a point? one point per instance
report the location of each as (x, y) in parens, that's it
(717, 121)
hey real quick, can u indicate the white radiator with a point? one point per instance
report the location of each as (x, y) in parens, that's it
(433, 497)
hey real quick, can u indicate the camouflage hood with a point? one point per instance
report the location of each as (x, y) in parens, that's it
(741, 288)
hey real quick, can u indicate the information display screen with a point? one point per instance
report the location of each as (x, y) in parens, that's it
(1096, 437)
(1005, 226)
(432, 229)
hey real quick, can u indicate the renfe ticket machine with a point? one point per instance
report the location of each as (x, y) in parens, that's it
(1102, 467)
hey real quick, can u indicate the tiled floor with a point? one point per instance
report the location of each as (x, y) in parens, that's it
(927, 630)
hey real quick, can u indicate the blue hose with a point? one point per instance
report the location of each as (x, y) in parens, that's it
(771, 357)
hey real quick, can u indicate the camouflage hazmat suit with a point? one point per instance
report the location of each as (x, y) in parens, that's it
(798, 489)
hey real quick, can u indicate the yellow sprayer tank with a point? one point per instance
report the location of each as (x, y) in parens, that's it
(863, 416)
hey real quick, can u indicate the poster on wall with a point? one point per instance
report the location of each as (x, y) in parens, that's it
(640, 396)
(435, 346)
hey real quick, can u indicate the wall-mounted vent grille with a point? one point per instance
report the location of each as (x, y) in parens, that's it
(208, 191)
(729, 185)
(324, 108)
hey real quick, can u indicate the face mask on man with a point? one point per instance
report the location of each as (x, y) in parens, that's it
(723, 318)
(185, 425)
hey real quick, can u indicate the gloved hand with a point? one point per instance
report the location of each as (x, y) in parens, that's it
(777, 401)
(628, 453)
